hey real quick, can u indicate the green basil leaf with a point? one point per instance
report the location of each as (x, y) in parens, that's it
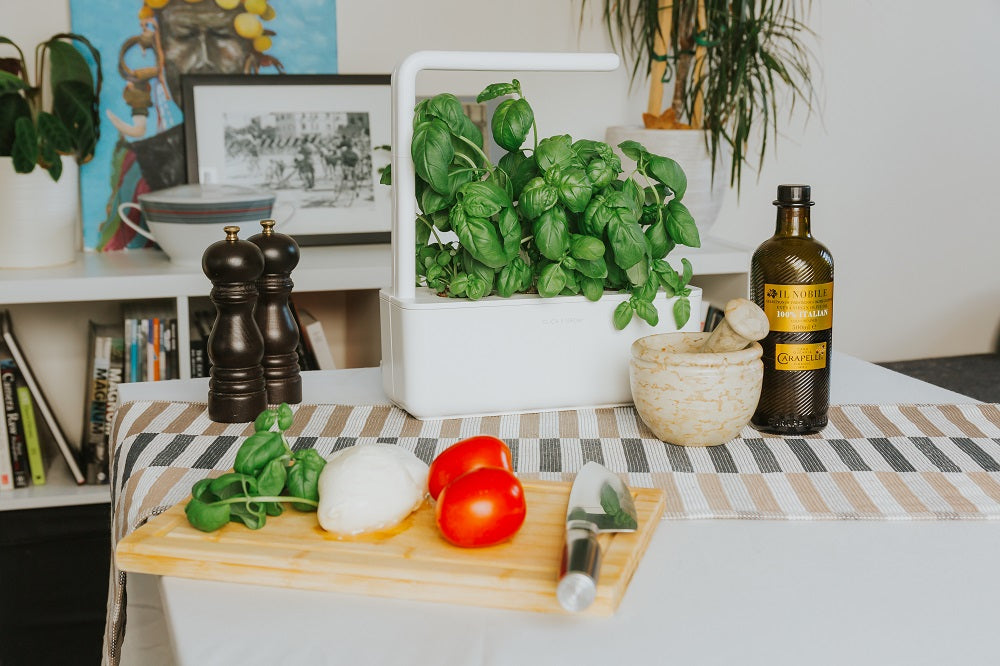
(633, 150)
(593, 268)
(482, 199)
(257, 450)
(670, 173)
(572, 185)
(251, 513)
(206, 517)
(271, 479)
(202, 490)
(526, 274)
(448, 108)
(479, 237)
(233, 484)
(432, 152)
(511, 123)
(647, 290)
(687, 273)
(536, 198)
(458, 285)
(623, 315)
(510, 232)
(495, 90)
(285, 416)
(638, 273)
(585, 247)
(682, 311)
(593, 288)
(551, 281)
(600, 174)
(660, 243)
(551, 231)
(265, 420)
(520, 169)
(508, 280)
(680, 224)
(556, 151)
(303, 477)
(572, 285)
(627, 241)
(476, 288)
(647, 312)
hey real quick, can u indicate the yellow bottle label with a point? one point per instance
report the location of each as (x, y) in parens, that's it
(810, 356)
(799, 308)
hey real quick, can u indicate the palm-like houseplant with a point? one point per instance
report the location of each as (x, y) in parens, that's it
(32, 133)
(730, 63)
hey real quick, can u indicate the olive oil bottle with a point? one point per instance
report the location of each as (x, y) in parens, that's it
(791, 279)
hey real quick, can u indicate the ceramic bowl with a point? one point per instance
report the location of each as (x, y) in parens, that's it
(691, 398)
(186, 219)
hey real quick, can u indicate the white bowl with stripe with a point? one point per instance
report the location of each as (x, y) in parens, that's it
(186, 219)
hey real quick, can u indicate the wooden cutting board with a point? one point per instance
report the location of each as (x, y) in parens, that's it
(412, 561)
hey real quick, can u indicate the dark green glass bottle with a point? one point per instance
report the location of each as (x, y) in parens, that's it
(791, 279)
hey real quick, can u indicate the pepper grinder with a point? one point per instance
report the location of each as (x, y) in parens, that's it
(274, 317)
(236, 390)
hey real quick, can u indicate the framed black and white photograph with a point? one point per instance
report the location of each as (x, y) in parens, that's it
(316, 141)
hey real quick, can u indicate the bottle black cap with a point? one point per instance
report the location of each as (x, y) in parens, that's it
(794, 195)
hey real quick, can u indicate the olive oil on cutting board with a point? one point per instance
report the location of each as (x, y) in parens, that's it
(411, 561)
(791, 279)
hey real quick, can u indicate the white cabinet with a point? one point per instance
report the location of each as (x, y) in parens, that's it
(50, 309)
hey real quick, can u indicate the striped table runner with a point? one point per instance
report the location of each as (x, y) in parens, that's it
(873, 462)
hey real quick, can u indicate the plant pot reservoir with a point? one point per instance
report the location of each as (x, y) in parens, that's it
(39, 216)
(694, 398)
(450, 357)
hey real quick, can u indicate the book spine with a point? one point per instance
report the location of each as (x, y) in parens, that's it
(155, 344)
(18, 451)
(36, 464)
(320, 346)
(97, 412)
(6, 463)
(115, 373)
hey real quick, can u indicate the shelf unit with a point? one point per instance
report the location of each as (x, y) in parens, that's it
(720, 268)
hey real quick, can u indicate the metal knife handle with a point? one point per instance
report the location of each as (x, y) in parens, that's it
(578, 574)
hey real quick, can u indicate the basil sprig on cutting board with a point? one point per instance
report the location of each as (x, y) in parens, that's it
(266, 474)
(553, 219)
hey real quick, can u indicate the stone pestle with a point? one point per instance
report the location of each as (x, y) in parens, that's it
(745, 322)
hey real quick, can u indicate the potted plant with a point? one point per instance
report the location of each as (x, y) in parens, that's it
(41, 121)
(554, 221)
(729, 62)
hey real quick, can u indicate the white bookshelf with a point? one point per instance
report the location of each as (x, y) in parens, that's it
(50, 307)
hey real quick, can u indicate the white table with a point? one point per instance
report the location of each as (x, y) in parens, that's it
(706, 592)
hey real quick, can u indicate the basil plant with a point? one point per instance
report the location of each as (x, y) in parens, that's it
(554, 219)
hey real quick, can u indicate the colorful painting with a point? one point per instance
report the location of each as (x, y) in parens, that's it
(146, 46)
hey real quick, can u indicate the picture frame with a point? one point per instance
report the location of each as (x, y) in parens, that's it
(315, 140)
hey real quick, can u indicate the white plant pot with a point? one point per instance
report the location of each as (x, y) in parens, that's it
(704, 195)
(445, 357)
(39, 216)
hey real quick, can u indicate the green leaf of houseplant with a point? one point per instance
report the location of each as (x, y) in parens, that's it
(556, 151)
(432, 152)
(495, 90)
(551, 281)
(536, 198)
(627, 241)
(572, 185)
(667, 171)
(24, 151)
(623, 315)
(520, 169)
(479, 237)
(552, 233)
(482, 199)
(511, 123)
(12, 107)
(681, 226)
(682, 311)
(585, 247)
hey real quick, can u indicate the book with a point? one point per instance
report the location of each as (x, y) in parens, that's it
(312, 330)
(200, 329)
(36, 462)
(41, 402)
(12, 417)
(6, 463)
(713, 317)
(307, 360)
(105, 365)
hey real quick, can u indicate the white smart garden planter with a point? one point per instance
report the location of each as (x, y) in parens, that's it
(446, 357)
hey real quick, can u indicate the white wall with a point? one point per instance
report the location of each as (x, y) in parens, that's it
(902, 162)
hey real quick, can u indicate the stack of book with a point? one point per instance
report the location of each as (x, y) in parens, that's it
(150, 345)
(25, 409)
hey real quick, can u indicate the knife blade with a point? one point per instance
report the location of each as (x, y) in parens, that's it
(599, 501)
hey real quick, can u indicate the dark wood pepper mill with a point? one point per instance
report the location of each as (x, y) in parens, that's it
(274, 317)
(236, 392)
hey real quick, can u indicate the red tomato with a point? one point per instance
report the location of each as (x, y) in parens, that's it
(481, 508)
(465, 456)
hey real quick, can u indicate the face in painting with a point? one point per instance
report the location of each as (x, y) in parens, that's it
(199, 38)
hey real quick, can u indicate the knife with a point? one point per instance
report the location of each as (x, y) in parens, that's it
(598, 502)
